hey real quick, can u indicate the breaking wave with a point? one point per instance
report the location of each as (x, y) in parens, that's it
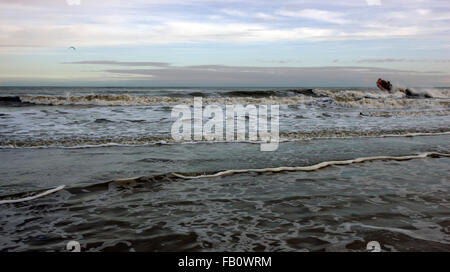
(129, 100)
(398, 92)
(344, 98)
(12, 101)
(412, 98)
(389, 103)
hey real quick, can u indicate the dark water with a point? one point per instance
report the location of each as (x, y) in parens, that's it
(90, 139)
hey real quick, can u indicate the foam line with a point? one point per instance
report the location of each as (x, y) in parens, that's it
(143, 141)
(48, 192)
(315, 166)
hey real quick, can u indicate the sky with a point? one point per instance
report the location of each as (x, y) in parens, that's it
(224, 42)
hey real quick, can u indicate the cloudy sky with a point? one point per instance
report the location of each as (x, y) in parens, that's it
(224, 42)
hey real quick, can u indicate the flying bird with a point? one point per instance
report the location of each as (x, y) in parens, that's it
(73, 48)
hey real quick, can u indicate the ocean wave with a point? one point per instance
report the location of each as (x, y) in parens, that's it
(343, 134)
(103, 120)
(129, 100)
(12, 101)
(397, 93)
(327, 98)
(158, 180)
(423, 92)
(384, 100)
(29, 196)
(162, 140)
(356, 94)
(388, 103)
(315, 166)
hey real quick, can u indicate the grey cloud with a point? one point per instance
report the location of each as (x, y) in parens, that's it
(279, 76)
(442, 60)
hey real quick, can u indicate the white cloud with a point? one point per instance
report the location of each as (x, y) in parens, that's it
(373, 2)
(264, 16)
(249, 15)
(315, 14)
(423, 11)
(170, 32)
(233, 12)
(95, 23)
(183, 31)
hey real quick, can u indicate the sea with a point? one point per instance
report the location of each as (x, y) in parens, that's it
(100, 167)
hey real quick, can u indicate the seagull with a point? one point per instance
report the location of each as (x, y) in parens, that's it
(72, 48)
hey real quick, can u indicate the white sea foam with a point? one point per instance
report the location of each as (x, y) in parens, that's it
(45, 193)
(431, 92)
(315, 166)
(385, 100)
(389, 103)
(354, 94)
